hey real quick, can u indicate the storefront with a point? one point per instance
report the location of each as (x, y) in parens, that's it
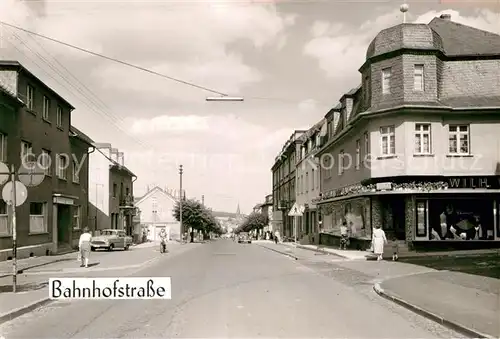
(450, 213)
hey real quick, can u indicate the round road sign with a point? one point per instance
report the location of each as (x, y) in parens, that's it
(31, 174)
(4, 173)
(21, 193)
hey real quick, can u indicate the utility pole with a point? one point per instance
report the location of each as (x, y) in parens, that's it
(203, 200)
(181, 197)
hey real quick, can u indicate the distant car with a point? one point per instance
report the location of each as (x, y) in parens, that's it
(111, 239)
(244, 238)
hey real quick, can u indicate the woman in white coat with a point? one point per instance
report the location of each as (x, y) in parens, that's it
(379, 240)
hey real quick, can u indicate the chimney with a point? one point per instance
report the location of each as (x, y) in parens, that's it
(121, 158)
(445, 16)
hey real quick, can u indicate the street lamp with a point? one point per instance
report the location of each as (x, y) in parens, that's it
(225, 98)
(180, 201)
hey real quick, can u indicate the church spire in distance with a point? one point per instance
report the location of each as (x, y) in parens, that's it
(238, 212)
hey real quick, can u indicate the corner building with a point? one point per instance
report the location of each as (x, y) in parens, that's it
(416, 147)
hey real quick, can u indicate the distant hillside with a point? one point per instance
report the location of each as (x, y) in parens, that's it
(225, 214)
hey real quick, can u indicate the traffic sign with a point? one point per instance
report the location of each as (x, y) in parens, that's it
(295, 211)
(31, 174)
(4, 173)
(21, 193)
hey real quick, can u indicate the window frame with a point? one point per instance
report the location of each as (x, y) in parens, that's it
(59, 115)
(47, 171)
(30, 97)
(3, 147)
(418, 73)
(419, 131)
(386, 80)
(44, 215)
(46, 108)
(390, 136)
(62, 171)
(458, 134)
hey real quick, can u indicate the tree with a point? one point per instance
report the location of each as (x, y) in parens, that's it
(197, 216)
(255, 221)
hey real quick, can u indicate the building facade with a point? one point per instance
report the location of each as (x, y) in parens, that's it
(416, 148)
(284, 181)
(308, 182)
(36, 126)
(111, 190)
(157, 212)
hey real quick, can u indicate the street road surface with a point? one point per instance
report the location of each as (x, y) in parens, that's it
(227, 290)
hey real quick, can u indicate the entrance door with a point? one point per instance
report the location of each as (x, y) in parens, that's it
(63, 225)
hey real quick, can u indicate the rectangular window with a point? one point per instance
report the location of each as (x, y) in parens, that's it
(46, 108)
(313, 183)
(75, 172)
(38, 217)
(115, 188)
(422, 138)
(76, 217)
(3, 147)
(358, 153)
(4, 219)
(30, 97)
(46, 162)
(26, 151)
(421, 218)
(459, 139)
(59, 116)
(307, 182)
(62, 165)
(341, 162)
(418, 78)
(387, 140)
(386, 80)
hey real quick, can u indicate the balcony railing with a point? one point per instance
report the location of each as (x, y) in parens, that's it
(127, 201)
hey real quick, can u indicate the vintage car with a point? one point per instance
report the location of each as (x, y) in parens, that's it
(111, 239)
(244, 237)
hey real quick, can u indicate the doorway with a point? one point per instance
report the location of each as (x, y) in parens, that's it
(63, 225)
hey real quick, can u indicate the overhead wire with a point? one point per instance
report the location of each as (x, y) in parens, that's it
(141, 68)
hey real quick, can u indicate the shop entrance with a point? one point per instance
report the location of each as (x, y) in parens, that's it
(63, 225)
(393, 216)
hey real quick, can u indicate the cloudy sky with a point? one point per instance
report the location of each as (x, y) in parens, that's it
(290, 60)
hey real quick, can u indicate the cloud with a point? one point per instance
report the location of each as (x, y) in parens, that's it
(340, 52)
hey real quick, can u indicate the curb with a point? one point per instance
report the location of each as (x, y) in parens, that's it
(21, 271)
(280, 252)
(429, 315)
(11, 315)
(321, 251)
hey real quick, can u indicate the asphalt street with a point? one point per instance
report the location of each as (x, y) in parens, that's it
(223, 289)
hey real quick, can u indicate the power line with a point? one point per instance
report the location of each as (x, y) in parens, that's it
(115, 60)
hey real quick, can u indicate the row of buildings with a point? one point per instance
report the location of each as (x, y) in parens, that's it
(414, 149)
(86, 184)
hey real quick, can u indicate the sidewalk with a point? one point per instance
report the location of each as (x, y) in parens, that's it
(29, 263)
(290, 249)
(467, 303)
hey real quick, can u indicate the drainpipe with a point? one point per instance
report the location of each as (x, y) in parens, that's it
(88, 203)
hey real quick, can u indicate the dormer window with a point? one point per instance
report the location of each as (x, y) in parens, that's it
(386, 80)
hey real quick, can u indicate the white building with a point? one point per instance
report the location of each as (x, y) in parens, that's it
(156, 210)
(110, 189)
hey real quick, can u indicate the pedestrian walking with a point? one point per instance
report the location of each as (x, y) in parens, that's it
(84, 247)
(378, 240)
(344, 236)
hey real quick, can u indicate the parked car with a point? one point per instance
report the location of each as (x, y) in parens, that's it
(244, 237)
(111, 239)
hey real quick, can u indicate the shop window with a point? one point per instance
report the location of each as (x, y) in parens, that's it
(421, 219)
(461, 219)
